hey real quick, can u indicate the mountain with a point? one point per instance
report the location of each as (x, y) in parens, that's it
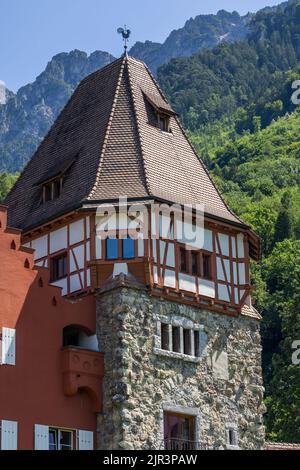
(203, 31)
(26, 117)
(254, 74)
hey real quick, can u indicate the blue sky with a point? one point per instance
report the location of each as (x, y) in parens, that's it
(32, 31)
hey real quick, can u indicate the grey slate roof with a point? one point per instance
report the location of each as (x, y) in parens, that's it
(106, 129)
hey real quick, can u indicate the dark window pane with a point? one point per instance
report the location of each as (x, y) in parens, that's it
(164, 336)
(206, 266)
(187, 341)
(232, 437)
(183, 264)
(52, 439)
(59, 267)
(176, 338)
(163, 123)
(112, 248)
(56, 189)
(197, 343)
(128, 248)
(48, 192)
(179, 432)
(65, 440)
(194, 263)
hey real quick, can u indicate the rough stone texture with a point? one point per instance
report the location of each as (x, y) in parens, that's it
(139, 384)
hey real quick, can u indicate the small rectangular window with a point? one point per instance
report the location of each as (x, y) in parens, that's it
(128, 248)
(197, 343)
(187, 342)
(112, 251)
(47, 192)
(59, 266)
(56, 189)
(183, 260)
(165, 336)
(232, 437)
(206, 260)
(60, 439)
(176, 338)
(194, 256)
(163, 123)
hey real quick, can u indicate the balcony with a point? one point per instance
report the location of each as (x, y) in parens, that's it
(182, 444)
(83, 370)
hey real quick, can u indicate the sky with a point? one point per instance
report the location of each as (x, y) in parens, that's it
(33, 31)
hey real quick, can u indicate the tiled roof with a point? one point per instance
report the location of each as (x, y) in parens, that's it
(281, 446)
(106, 127)
(250, 312)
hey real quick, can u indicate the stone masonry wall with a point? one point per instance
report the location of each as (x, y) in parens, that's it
(222, 389)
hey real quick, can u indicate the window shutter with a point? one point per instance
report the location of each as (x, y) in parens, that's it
(8, 346)
(9, 435)
(41, 437)
(86, 440)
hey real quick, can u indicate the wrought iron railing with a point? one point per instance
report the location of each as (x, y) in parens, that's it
(182, 445)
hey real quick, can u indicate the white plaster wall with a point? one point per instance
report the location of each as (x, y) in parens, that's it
(78, 253)
(224, 244)
(187, 282)
(170, 279)
(171, 255)
(223, 292)
(240, 242)
(76, 232)
(40, 245)
(58, 240)
(206, 288)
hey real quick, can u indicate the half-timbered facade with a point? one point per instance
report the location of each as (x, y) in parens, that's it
(118, 139)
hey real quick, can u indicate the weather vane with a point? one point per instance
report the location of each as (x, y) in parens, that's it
(125, 35)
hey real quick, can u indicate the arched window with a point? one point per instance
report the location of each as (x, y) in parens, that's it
(77, 337)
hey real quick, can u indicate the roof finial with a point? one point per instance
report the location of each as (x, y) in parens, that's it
(125, 35)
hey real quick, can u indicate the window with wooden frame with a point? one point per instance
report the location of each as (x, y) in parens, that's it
(179, 431)
(196, 343)
(61, 439)
(183, 260)
(187, 342)
(163, 122)
(195, 263)
(112, 248)
(128, 248)
(52, 190)
(165, 336)
(59, 266)
(176, 338)
(206, 266)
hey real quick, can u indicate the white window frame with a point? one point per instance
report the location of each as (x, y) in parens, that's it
(58, 432)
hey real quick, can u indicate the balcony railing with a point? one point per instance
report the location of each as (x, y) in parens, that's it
(182, 444)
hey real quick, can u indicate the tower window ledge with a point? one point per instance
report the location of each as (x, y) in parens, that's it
(177, 355)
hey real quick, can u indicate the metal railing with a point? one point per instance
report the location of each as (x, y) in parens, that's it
(182, 444)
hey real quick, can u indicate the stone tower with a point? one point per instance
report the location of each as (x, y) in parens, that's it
(175, 321)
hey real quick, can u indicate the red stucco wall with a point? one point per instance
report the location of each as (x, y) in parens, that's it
(31, 392)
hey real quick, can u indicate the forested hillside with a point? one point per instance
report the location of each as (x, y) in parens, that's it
(259, 175)
(241, 80)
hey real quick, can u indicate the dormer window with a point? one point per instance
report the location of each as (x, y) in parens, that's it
(158, 110)
(52, 189)
(51, 184)
(163, 122)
